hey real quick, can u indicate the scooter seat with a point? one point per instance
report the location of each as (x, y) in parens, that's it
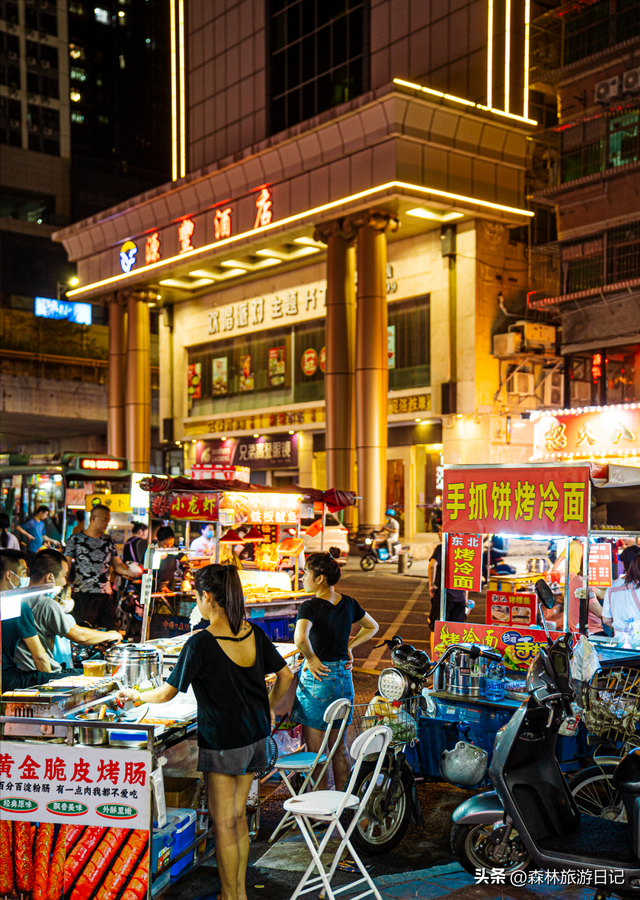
(626, 775)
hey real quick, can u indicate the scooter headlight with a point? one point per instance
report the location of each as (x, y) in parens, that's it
(367, 540)
(393, 685)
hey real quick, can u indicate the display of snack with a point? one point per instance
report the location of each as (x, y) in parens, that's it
(521, 615)
(499, 613)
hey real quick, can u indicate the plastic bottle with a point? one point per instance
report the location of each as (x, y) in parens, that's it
(495, 682)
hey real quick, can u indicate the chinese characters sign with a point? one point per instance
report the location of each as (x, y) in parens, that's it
(517, 645)
(256, 313)
(511, 609)
(152, 249)
(505, 500)
(203, 507)
(600, 565)
(265, 452)
(609, 431)
(84, 785)
(464, 562)
(263, 509)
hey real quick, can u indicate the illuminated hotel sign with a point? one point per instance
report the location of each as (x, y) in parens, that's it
(152, 249)
(222, 223)
(185, 233)
(128, 253)
(263, 206)
(79, 313)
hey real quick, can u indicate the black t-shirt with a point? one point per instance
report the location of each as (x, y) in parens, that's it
(134, 550)
(329, 634)
(14, 631)
(452, 596)
(233, 702)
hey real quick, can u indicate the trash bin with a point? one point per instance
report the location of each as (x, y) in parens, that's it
(403, 560)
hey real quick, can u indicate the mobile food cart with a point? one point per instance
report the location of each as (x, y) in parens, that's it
(584, 504)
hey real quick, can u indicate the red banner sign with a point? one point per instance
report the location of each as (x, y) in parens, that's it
(263, 509)
(600, 565)
(511, 609)
(463, 571)
(505, 500)
(196, 507)
(517, 645)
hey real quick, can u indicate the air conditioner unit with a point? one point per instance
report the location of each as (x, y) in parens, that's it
(537, 335)
(581, 392)
(520, 383)
(631, 81)
(553, 390)
(507, 344)
(607, 90)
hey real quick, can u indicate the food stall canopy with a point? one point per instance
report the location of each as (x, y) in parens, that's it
(334, 499)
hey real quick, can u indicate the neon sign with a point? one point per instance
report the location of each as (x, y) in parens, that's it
(222, 223)
(80, 313)
(152, 249)
(128, 253)
(102, 464)
(263, 206)
(185, 232)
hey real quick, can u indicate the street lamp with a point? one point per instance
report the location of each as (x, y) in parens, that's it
(63, 286)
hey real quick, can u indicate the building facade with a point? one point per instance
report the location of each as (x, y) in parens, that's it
(341, 240)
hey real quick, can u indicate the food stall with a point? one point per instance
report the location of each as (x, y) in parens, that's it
(99, 800)
(584, 504)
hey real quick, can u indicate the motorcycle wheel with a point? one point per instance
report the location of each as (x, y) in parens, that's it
(595, 795)
(377, 833)
(367, 563)
(474, 850)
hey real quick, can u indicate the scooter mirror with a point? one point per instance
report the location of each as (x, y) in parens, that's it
(545, 594)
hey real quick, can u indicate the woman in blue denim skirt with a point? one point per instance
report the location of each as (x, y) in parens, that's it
(323, 637)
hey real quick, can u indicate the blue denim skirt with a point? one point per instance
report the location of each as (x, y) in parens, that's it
(313, 696)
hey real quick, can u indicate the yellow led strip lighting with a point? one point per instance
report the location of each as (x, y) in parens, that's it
(174, 93)
(507, 53)
(432, 92)
(527, 30)
(181, 91)
(490, 55)
(486, 204)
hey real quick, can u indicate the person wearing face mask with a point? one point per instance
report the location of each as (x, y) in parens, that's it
(13, 575)
(52, 614)
(204, 545)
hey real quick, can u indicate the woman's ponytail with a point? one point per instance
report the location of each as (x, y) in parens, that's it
(4, 525)
(223, 582)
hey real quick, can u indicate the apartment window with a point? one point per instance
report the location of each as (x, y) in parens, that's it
(318, 57)
(628, 19)
(623, 253)
(408, 342)
(623, 139)
(26, 205)
(102, 15)
(76, 8)
(9, 12)
(76, 51)
(10, 122)
(587, 32)
(75, 96)
(77, 117)
(44, 129)
(610, 375)
(582, 264)
(76, 74)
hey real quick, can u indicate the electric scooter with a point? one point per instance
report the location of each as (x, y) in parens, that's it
(376, 551)
(531, 818)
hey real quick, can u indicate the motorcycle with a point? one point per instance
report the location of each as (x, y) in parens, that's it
(376, 551)
(394, 802)
(531, 818)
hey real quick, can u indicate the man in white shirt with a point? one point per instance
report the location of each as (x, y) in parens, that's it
(204, 545)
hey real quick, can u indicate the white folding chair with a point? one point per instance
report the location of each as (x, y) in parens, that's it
(305, 762)
(328, 806)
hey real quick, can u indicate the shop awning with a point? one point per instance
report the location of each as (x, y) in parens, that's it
(334, 499)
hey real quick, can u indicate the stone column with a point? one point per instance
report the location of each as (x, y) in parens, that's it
(340, 327)
(372, 366)
(138, 388)
(116, 434)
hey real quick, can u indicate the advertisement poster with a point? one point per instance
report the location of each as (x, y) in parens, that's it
(262, 509)
(391, 345)
(276, 366)
(194, 381)
(323, 359)
(309, 362)
(517, 645)
(74, 821)
(514, 500)
(246, 373)
(511, 609)
(220, 376)
(273, 451)
(464, 562)
(600, 565)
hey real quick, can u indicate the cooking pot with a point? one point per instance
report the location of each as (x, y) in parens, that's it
(466, 677)
(94, 737)
(538, 564)
(135, 665)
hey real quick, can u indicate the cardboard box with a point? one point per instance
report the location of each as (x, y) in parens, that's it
(181, 793)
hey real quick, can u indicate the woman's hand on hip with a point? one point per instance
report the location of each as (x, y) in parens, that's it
(349, 665)
(317, 668)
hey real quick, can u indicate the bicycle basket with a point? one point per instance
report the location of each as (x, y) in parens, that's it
(612, 704)
(397, 714)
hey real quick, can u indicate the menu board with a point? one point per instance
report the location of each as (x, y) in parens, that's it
(511, 609)
(464, 562)
(600, 565)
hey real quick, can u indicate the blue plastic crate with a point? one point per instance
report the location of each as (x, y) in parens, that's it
(279, 628)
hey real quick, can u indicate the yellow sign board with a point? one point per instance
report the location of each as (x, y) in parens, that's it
(120, 503)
